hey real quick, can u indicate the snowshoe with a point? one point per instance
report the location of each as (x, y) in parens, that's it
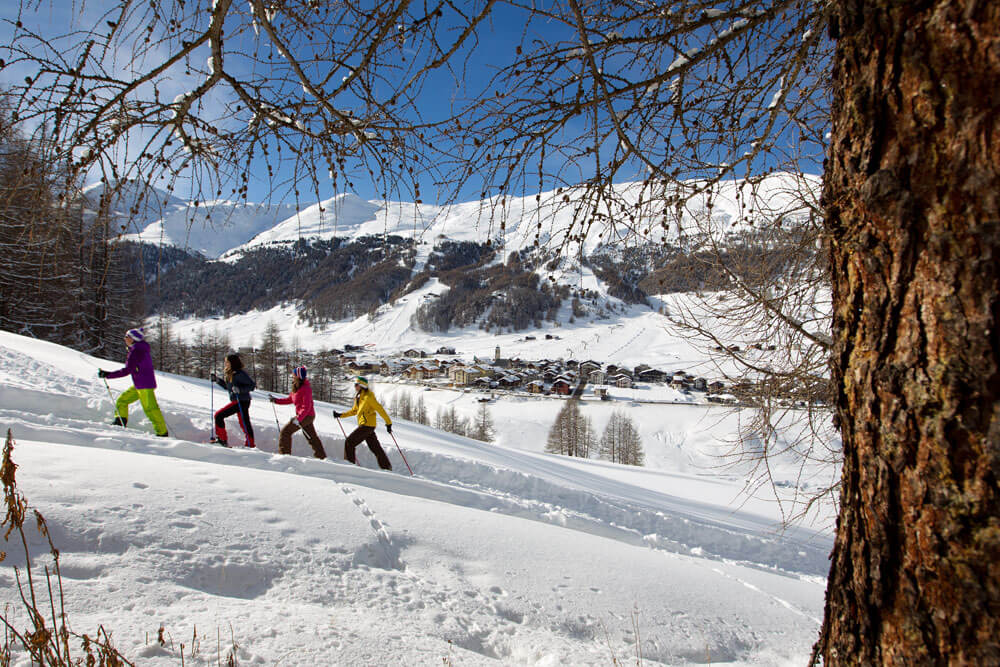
(216, 441)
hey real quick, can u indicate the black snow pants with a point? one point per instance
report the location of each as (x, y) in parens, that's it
(366, 434)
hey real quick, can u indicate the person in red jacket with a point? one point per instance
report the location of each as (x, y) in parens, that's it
(305, 414)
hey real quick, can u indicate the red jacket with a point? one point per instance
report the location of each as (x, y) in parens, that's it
(303, 400)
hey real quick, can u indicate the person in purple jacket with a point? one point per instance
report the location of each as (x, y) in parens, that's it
(138, 364)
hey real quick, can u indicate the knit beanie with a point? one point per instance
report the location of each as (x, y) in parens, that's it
(299, 372)
(361, 381)
(136, 334)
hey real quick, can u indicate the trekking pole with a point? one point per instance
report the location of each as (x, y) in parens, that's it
(341, 427)
(211, 406)
(275, 411)
(401, 454)
(108, 387)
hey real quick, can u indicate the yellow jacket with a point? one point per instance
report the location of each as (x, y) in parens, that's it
(365, 407)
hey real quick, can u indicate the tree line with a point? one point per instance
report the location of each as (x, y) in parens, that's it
(480, 427)
(61, 278)
(269, 360)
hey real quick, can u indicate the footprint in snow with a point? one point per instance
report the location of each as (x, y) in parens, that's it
(379, 528)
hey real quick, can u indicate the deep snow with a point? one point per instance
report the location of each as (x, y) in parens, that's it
(491, 554)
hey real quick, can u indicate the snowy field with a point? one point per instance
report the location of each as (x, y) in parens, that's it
(489, 555)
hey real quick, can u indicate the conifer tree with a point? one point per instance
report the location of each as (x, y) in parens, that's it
(482, 426)
(269, 358)
(405, 410)
(201, 347)
(420, 411)
(572, 433)
(445, 419)
(620, 442)
(163, 357)
(218, 347)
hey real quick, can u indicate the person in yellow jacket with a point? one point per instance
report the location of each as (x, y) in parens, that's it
(365, 407)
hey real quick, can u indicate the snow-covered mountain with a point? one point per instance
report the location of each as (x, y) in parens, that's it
(594, 329)
(211, 228)
(222, 228)
(489, 555)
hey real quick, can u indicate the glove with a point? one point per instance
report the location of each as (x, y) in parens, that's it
(270, 398)
(388, 427)
(336, 414)
(102, 373)
(214, 377)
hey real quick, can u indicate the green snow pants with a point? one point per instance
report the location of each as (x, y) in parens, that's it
(147, 399)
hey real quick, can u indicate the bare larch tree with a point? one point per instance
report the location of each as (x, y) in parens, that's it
(912, 192)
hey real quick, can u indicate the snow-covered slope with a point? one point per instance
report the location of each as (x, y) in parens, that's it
(629, 336)
(141, 202)
(489, 555)
(513, 222)
(148, 214)
(213, 228)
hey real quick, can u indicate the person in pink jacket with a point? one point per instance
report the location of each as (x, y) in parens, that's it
(305, 414)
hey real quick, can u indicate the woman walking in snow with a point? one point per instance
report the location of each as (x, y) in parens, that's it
(239, 385)
(305, 414)
(138, 364)
(365, 407)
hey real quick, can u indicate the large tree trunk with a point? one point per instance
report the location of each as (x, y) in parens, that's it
(912, 191)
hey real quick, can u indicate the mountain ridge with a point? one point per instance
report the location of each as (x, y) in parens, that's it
(631, 212)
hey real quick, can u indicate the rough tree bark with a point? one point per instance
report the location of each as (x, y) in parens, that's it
(912, 195)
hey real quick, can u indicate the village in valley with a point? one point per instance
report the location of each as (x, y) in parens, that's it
(588, 379)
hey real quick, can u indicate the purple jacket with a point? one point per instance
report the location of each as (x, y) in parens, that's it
(140, 364)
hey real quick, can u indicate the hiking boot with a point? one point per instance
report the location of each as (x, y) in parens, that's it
(120, 421)
(162, 435)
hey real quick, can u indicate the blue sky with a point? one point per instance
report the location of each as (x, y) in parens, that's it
(59, 18)
(494, 47)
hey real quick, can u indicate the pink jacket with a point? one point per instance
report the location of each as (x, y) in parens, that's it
(303, 400)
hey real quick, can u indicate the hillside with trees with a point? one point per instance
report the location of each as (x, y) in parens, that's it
(62, 278)
(337, 279)
(332, 279)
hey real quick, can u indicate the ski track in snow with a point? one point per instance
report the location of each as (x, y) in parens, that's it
(43, 402)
